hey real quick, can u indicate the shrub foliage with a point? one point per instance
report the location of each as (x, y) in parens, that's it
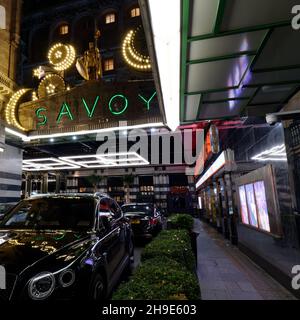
(166, 271)
(181, 221)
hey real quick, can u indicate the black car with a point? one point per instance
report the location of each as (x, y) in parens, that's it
(145, 219)
(5, 208)
(57, 247)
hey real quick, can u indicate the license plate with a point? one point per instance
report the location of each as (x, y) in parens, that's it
(135, 221)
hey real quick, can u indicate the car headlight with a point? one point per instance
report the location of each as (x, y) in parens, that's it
(67, 278)
(41, 286)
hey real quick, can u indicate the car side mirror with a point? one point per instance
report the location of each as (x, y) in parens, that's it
(125, 219)
(104, 220)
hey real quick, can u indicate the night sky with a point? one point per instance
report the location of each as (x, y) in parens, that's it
(30, 6)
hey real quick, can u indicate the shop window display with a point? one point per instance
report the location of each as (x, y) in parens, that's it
(244, 209)
(262, 207)
(254, 208)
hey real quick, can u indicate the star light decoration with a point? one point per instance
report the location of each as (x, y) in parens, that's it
(50, 88)
(39, 72)
(61, 56)
(132, 56)
(11, 109)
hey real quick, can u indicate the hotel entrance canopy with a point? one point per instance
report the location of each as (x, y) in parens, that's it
(220, 59)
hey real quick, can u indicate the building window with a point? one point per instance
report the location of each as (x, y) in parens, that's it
(147, 190)
(2, 18)
(135, 12)
(64, 29)
(110, 18)
(109, 64)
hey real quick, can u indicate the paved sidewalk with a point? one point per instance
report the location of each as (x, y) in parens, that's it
(225, 273)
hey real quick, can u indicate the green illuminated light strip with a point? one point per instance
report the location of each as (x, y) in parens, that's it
(64, 111)
(184, 47)
(147, 102)
(41, 116)
(110, 104)
(90, 112)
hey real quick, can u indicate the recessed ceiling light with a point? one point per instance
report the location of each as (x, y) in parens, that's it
(122, 159)
(46, 164)
(74, 138)
(2, 149)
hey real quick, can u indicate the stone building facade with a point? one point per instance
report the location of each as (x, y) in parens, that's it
(10, 14)
(10, 156)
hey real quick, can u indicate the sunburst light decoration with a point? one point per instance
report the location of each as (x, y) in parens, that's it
(131, 55)
(51, 84)
(11, 109)
(61, 56)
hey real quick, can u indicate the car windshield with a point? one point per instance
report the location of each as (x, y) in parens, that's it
(5, 207)
(51, 213)
(143, 209)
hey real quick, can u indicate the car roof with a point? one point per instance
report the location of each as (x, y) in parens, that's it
(69, 196)
(138, 204)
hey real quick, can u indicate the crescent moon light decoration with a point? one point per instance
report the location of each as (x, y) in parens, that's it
(61, 56)
(131, 56)
(11, 109)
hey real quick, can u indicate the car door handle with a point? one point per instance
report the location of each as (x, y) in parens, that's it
(118, 231)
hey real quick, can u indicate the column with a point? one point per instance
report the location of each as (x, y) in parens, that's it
(45, 183)
(57, 185)
(28, 185)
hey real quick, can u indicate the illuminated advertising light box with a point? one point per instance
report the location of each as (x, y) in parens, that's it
(243, 202)
(215, 167)
(262, 206)
(93, 105)
(257, 200)
(252, 211)
(200, 202)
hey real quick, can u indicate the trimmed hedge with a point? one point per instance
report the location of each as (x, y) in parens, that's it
(174, 244)
(160, 278)
(166, 271)
(181, 221)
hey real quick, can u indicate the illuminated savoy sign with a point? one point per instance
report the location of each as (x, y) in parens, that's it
(117, 105)
(94, 105)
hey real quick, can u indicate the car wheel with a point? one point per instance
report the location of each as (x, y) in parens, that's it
(98, 289)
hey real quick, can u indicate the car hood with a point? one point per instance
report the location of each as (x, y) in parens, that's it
(21, 249)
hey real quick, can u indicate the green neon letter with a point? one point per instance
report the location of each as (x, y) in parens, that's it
(88, 110)
(111, 106)
(147, 102)
(41, 116)
(64, 111)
